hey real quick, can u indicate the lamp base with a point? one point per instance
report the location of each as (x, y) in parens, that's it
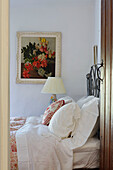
(53, 98)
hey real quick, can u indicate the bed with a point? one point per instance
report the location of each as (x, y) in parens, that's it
(86, 156)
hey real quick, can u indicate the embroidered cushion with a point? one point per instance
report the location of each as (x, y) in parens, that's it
(50, 111)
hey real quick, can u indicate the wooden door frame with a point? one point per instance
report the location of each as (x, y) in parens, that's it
(106, 118)
(4, 84)
(106, 114)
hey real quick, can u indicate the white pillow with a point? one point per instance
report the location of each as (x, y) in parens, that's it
(84, 100)
(97, 124)
(95, 129)
(89, 115)
(67, 99)
(63, 122)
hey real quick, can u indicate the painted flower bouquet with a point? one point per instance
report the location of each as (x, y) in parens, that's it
(39, 57)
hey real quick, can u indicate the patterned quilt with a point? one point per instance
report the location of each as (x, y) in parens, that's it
(15, 124)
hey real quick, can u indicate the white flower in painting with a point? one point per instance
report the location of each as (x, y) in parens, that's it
(42, 57)
(36, 46)
(34, 52)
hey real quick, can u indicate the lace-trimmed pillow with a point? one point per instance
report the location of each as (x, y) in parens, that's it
(67, 99)
(50, 111)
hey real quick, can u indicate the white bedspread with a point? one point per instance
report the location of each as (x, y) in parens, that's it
(37, 149)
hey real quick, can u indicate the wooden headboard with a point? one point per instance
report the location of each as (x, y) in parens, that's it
(93, 80)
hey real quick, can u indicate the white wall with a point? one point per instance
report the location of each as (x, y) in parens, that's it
(79, 24)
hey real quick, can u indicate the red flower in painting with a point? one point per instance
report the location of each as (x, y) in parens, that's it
(44, 63)
(35, 63)
(53, 53)
(28, 66)
(36, 58)
(38, 64)
(26, 73)
(39, 60)
(46, 52)
(45, 49)
(41, 49)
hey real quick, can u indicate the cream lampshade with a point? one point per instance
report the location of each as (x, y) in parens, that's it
(54, 85)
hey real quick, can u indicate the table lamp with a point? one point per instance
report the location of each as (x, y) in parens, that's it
(54, 85)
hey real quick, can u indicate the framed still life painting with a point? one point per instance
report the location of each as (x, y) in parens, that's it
(38, 56)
